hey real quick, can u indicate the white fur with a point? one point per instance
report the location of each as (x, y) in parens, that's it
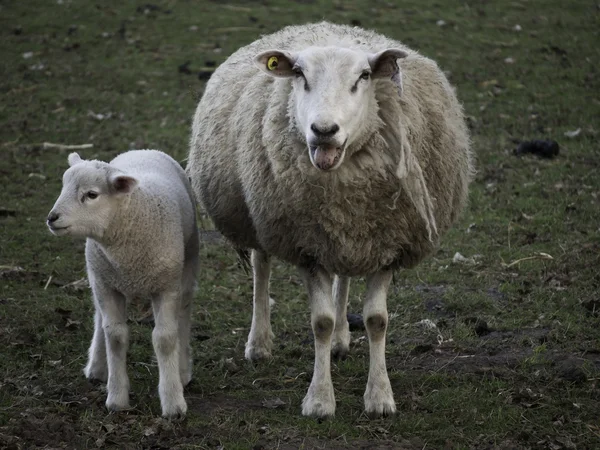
(138, 216)
(260, 339)
(260, 162)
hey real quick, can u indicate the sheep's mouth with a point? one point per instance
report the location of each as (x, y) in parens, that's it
(58, 230)
(326, 156)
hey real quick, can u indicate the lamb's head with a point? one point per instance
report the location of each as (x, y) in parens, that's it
(91, 193)
(333, 94)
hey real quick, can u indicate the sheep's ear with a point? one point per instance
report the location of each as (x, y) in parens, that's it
(74, 158)
(276, 63)
(123, 184)
(384, 65)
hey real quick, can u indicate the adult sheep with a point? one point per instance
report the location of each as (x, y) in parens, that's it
(312, 145)
(138, 216)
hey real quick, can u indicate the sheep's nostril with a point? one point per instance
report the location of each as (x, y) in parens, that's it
(324, 130)
(53, 217)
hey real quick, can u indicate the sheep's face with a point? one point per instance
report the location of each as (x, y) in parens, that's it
(90, 194)
(334, 96)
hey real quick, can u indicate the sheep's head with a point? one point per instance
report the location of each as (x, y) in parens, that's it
(91, 192)
(334, 94)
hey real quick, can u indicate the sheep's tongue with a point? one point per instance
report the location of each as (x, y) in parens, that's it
(325, 156)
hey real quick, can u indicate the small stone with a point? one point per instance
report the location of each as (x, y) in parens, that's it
(480, 326)
(355, 322)
(570, 370)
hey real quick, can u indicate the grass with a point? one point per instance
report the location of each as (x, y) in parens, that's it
(514, 361)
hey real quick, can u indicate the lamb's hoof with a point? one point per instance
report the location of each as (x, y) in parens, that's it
(319, 403)
(174, 411)
(96, 374)
(379, 402)
(256, 352)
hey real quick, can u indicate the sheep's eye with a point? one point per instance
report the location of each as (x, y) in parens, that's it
(272, 63)
(91, 195)
(365, 75)
(299, 74)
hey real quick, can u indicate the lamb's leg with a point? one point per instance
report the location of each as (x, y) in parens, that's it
(260, 339)
(185, 351)
(188, 285)
(113, 306)
(320, 399)
(165, 338)
(97, 368)
(379, 399)
(341, 334)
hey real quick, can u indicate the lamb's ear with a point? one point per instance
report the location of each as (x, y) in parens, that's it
(122, 184)
(73, 159)
(384, 65)
(276, 63)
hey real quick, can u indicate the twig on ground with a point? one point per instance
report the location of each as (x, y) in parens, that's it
(539, 255)
(49, 145)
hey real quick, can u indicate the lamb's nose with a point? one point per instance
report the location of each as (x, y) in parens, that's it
(53, 217)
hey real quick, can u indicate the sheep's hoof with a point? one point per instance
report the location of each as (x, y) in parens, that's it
(96, 374)
(256, 352)
(379, 402)
(174, 412)
(114, 406)
(174, 417)
(319, 403)
(339, 351)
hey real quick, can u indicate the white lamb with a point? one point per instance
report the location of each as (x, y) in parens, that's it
(313, 145)
(138, 215)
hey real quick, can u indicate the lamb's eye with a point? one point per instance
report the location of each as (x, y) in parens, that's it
(365, 75)
(298, 71)
(91, 195)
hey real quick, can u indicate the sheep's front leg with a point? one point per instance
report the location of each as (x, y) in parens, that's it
(260, 339)
(379, 399)
(113, 307)
(96, 367)
(320, 399)
(341, 334)
(165, 338)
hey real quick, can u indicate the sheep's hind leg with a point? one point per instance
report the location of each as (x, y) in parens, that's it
(320, 399)
(379, 398)
(185, 352)
(260, 338)
(113, 306)
(165, 338)
(97, 366)
(341, 334)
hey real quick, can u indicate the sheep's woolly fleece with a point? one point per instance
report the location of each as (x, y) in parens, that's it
(402, 184)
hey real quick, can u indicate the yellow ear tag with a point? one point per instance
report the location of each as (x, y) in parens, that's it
(272, 63)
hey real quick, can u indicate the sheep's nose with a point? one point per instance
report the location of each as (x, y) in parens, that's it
(53, 217)
(324, 131)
